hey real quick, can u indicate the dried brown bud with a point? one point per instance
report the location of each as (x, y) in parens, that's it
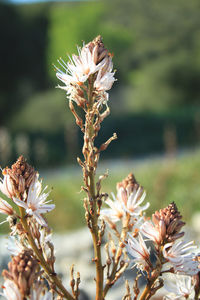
(128, 186)
(21, 175)
(168, 221)
(23, 271)
(129, 183)
(100, 51)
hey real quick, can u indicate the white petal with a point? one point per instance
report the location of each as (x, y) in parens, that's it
(20, 203)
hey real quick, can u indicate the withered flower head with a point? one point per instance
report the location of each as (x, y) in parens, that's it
(21, 175)
(23, 271)
(166, 225)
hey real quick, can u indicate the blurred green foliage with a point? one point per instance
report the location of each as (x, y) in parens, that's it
(156, 46)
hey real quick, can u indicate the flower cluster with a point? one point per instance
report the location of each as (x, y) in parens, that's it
(22, 186)
(93, 63)
(176, 256)
(130, 196)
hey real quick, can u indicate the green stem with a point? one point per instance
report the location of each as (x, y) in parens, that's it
(55, 279)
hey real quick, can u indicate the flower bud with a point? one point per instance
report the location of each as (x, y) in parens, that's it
(23, 271)
(18, 178)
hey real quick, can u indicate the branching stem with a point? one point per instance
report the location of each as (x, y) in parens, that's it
(54, 278)
(118, 255)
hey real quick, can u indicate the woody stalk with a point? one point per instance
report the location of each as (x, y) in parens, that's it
(87, 78)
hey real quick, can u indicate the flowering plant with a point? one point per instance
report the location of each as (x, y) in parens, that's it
(31, 274)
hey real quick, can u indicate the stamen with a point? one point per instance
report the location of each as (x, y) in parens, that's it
(61, 64)
(79, 50)
(58, 69)
(71, 60)
(4, 222)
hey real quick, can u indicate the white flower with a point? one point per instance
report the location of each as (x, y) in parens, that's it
(125, 202)
(37, 294)
(35, 204)
(139, 252)
(181, 287)
(131, 201)
(14, 246)
(46, 296)
(151, 232)
(11, 291)
(105, 76)
(5, 207)
(79, 68)
(44, 242)
(102, 97)
(115, 212)
(182, 260)
(6, 185)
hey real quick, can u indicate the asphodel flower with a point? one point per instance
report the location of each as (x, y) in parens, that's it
(35, 203)
(130, 196)
(140, 254)
(6, 185)
(179, 255)
(181, 286)
(39, 292)
(6, 208)
(93, 63)
(11, 291)
(105, 76)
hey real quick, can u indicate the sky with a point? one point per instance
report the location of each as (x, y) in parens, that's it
(34, 1)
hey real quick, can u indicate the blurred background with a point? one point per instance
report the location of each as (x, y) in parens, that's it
(154, 102)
